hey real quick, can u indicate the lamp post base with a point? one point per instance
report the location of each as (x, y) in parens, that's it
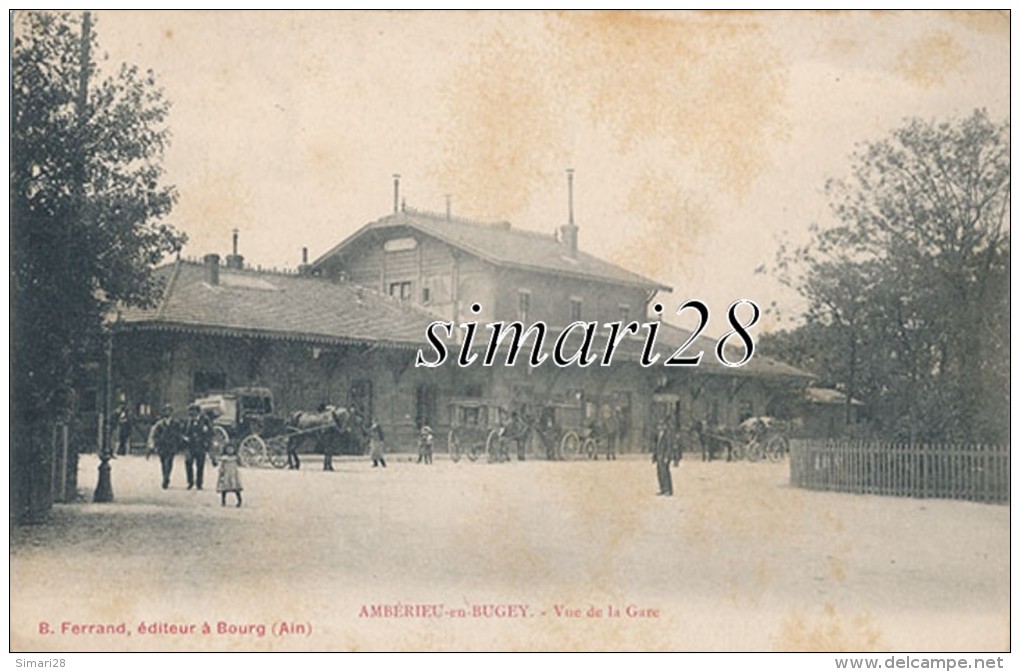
(104, 487)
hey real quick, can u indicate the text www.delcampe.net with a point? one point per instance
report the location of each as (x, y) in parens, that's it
(920, 663)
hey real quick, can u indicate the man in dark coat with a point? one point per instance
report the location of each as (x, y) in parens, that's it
(665, 449)
(164, 439)
(121, 422)
(197, 438)
(517, 431)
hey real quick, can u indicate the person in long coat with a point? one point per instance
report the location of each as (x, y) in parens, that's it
(376, 442)
(665, 450)
(121, 423)
(198, 433)
(164, 440)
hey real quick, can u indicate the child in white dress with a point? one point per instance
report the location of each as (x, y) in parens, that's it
(229, 480)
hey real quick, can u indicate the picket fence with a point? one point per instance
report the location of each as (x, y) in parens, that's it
(978, 473)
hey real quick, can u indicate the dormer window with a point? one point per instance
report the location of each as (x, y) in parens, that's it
(401, 290)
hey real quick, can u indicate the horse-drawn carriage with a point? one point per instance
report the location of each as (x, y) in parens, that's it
(475, 429)
(562, 431)
(244, 416)
(754, 439)
(238, 415)
(559, 430)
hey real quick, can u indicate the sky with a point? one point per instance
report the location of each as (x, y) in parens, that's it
(700, 141)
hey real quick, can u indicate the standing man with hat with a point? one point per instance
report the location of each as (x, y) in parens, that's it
(164, 439)
(197, 438)
(121, 423)
(665, 449)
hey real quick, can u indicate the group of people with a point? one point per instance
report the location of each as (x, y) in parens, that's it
(168, 436)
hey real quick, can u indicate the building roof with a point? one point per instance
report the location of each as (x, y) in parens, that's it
(501, 244)
(669, 337)
(277, 305)
(630, 348)
(253, 303)
(673, 337)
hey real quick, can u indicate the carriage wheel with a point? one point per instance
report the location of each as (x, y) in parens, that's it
(777, 448)
(569, 446)
(738, 451)
(252, 451)
(754, 451)
(220, 439)
(453, 446)
(278, 451)
(590, 449)
(494, 446)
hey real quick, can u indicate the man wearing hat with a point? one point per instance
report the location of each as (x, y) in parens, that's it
(164, 439)
(664, 450)
(197, 437)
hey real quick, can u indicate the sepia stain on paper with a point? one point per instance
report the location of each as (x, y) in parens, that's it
(992, 23)
(828, 631)
(221, 202)
(677, 221)
(930, 60)
(501, 135)
(714, 91)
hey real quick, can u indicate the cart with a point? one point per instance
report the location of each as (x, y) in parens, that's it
(476, 429)
(754, 439)
(244, 416)
(561, 432)
(765, 438)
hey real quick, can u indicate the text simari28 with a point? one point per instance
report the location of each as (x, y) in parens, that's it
(579, 343)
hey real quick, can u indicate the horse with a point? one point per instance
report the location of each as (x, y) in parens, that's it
(714, 439)
(326, 427)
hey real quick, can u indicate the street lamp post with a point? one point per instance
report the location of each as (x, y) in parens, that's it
(104, 484)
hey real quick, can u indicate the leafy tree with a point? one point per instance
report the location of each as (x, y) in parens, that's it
(87, 207)
(907, 292)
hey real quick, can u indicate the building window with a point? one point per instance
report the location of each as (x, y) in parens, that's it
(575, 309)
(401, 290)
(425, 405)
(360, 397)
(624, 313)
(426, 295)
(471, 390)
(523, 305)
(207, 381)
(88, 402)
(713, 413)
(746, 410)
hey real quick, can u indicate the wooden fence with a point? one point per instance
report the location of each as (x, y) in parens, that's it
(977, 473)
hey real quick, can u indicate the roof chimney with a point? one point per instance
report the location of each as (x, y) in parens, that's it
(569, 231)
(448, 207)
(212, 268)
(235, 260)
(304, 268)
(396, 192)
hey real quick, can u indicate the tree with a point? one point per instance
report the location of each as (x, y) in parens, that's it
(87, 208)
(911, 284)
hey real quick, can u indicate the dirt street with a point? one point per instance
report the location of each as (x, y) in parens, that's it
(520, 556)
